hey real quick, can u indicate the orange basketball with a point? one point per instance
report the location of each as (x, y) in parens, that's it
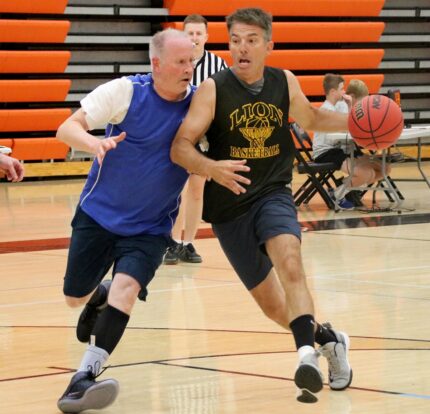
(375, 122)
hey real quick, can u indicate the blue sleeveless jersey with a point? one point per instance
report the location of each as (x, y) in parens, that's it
(137, 188)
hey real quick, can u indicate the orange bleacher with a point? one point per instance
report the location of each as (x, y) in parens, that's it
(47, 61)
(325, 59)
(34, 149)
(40, 90)
(33, 31)
(33, 6)
(278, 7)
(29, 120)
(23, 123)
(305, 32)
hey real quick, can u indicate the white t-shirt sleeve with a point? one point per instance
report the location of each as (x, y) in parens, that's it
(108, 103)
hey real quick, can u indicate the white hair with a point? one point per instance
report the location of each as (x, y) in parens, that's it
(158, 41)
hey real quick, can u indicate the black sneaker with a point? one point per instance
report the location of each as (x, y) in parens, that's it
(188, 254)
(354, 197)
(88, 317)
(172, 254)
(84, 393)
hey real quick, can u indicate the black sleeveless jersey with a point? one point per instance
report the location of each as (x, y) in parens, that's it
(251, 127)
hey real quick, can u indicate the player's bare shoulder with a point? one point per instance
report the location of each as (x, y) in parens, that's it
(205, 97)
(293, 83)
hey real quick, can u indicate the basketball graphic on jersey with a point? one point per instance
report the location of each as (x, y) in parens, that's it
(257, 130)
(256, 122)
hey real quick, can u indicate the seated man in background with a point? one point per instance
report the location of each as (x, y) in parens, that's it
(366, 170)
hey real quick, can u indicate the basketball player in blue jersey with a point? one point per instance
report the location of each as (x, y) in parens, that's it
(127, 207)
(244, 113)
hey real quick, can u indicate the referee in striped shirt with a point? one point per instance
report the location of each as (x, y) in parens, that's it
(206, 63)
(190, 212)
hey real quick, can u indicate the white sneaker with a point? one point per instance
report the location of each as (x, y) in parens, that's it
(339, 370)
(308, 379)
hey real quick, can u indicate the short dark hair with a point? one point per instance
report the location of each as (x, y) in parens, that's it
(332, 81)
(195, 18)
(252, 16)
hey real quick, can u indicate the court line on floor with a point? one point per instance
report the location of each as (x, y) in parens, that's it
(398, 393)
(171, 363)
(206, 233)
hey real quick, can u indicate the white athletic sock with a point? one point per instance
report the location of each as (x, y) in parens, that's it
(341, 191)
(186, 243)
(178, 241)
(305, 350)
(93, 359)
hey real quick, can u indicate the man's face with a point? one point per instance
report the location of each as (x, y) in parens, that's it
(198, 34)
(174, 68)
(339, 92)
(248, 48)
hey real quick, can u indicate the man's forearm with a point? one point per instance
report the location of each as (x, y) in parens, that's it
(186, 155)
(72, 133)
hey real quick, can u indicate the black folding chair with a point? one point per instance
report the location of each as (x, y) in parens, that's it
(320, 175)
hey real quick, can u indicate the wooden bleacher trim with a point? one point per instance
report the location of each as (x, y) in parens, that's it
(43, 90)
(14, 120)
(327, 59)
(33, 6)
(44, 61)
(313, 85)
(278, 7)
(33, 31)
(304, 32)
(57, 169)
(25, 149)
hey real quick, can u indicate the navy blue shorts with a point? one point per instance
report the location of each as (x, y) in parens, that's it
(243, 239)
(93, 250)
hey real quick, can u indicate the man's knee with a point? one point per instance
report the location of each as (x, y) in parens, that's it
(276, 312)
(124, 292)
(73, 302)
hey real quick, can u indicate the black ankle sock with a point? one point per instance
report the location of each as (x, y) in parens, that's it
(99, 296)
(109, 328)
(324, 335)
(303, 330)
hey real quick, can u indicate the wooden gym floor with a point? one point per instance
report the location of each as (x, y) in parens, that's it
(200, 345)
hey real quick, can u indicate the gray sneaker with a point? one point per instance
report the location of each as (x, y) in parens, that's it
(172, 254)
(339, 370)
(84, 393)
(308, 379)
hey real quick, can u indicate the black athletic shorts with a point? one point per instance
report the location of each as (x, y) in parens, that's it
(337, 156)
(93, 250)
(243, 239)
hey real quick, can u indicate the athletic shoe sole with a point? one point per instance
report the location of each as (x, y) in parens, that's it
(308, 381)
(98, 396)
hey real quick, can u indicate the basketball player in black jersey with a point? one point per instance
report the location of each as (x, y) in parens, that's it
(244, 113)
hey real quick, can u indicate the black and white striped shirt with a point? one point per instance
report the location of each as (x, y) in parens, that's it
(207, 65)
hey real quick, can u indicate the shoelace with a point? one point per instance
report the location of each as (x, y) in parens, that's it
(91, 372)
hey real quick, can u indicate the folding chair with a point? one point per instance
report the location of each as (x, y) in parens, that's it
(320, 175)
